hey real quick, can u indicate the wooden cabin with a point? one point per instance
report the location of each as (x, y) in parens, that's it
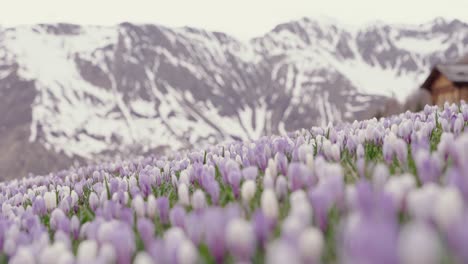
(448, 82)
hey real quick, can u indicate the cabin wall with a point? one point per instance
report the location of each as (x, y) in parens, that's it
(443, 90)
(451, 97)
(441, 82)
(464, 93)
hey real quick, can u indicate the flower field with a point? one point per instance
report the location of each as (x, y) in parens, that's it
(393, 190)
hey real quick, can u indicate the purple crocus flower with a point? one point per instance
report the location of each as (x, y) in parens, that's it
(457, 179)
(163, 209)
(405, 129)
(401, 151)
(123, 242)
(75, 227)
(321, 202)
(59, 221)
(457, 238)
(215, 235)
(177, 216)
(262, 227)
(194, 227)
(429, 166)
(370, 235)
(93, 201)
(296, 174)
(39, 207)
(281, 163)
(387, 152)
(145, 228)
(113, 185)
(214, 191)
(157, 251)
(234, 178)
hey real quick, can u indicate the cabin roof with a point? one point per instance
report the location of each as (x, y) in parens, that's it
(456, 73)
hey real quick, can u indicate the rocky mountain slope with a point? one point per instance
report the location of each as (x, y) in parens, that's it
(70, 92)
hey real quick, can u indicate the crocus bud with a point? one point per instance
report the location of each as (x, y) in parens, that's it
(404, 130)
(448, 207)
(361, 167)
(87, 251)
(198, 200)
(458, 124)
(107, 254)
(64, 205)
(421, 201)
(398, 187)
(173, 238)
(272, 168)
(151, 207)
(187, 253)
(58, 220)
(281, 187)
(360, 151)
(311, 243)
(380, 176)
(23, 255)
(184, 177)
(310, 161)
(332, 151)
(174, 180)
(138, 205)
(50, 199)
(269, 204)
(401, 151)
(418, 243)
(300, 206)
(93, 201)
(335, 152)
(183, 194)
(291, 227)
(248, 191)
(74, 198)
(268, 182)
(240, 239)
(280, 252)
(132, 182)
(303, 151)
(238, 159)
(143, 258)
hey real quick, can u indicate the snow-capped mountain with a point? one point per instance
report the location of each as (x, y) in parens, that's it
(85, 92)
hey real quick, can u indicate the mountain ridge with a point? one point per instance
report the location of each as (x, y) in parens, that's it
(99, 91)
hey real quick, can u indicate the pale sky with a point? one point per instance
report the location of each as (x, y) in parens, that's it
(241, 18)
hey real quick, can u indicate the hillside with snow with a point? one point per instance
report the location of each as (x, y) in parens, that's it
(70, 92)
